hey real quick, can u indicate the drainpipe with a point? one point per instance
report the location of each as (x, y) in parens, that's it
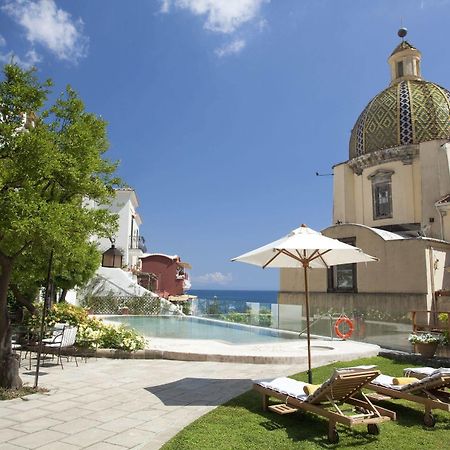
(433, 294)
(131, 230)
(441, 221)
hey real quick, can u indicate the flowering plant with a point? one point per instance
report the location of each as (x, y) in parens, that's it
(425, 338)
(92, 332)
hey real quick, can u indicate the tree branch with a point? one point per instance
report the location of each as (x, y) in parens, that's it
(24, 246)
(21, 299)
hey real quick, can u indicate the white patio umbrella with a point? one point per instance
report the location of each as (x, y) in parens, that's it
(304, 247)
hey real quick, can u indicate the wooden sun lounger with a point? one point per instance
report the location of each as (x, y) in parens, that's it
(429, 391)
(344, 387)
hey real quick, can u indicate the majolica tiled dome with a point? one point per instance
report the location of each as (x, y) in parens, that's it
(408, 112)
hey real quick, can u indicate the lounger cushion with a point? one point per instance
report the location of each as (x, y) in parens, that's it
(422, 371)
(386, 381)
(404, 380)
(427, 371)
(286, 386)
(310, 388)
(427, 382)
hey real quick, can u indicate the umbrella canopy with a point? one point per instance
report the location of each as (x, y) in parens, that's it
(304, 247)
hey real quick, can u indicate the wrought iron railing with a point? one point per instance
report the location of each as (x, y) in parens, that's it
(138, 242)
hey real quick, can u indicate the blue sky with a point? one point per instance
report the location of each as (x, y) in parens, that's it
(221, 111)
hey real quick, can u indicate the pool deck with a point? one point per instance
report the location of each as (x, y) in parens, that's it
(290, 352)
(139, 404)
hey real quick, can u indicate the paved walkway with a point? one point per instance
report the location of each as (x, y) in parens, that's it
(291, 351)
(120, 404)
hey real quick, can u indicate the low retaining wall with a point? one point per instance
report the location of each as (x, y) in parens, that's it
(414, 358)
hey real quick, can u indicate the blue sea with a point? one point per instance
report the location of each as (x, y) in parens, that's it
(232, 300)
(246, 296)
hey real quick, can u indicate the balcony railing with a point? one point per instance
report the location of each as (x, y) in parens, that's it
(138, 242)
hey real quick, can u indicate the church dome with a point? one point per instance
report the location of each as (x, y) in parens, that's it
(409, 111)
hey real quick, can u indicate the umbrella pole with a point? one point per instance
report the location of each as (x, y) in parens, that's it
(308, 335)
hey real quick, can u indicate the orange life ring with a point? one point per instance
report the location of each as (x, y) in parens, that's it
(349, 323)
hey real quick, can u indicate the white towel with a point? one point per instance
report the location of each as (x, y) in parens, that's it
(386, 381)
(286, 386)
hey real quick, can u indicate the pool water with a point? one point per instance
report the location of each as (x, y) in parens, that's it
(179, 327)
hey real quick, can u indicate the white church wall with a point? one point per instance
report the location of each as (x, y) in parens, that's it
(435, 183)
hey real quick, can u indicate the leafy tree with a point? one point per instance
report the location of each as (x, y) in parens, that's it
(71, 267)
(51, 163)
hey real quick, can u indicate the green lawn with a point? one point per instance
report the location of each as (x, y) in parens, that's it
(241, 424)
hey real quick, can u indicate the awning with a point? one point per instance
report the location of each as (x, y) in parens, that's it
(181, 298)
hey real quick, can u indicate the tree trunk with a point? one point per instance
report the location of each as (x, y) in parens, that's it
(9, 365)
(62, 297)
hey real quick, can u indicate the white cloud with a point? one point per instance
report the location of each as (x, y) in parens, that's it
(431, 3)
(222, 16)
(31, 58)
(165, 6)
(50, 26)
(231, 48)
(2, 41)
(213, 278)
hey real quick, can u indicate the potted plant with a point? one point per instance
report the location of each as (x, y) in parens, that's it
(426, 343)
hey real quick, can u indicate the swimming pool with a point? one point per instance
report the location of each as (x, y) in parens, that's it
(183, 327)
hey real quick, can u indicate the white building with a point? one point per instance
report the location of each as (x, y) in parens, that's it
(127, 238)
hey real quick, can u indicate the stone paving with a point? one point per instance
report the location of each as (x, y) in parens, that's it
(141, 403)
(122, 404)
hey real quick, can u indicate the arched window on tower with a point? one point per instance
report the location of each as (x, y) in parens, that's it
(400, 69)
(382, 194)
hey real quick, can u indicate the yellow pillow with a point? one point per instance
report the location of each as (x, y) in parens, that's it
(404, 380)
(310, 388)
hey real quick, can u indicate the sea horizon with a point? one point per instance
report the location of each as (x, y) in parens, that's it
(237, 295)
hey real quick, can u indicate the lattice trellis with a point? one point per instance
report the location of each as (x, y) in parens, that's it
(113, 304)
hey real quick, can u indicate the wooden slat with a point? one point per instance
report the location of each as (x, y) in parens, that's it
(412, 397)
(282, 409)
(378, 397)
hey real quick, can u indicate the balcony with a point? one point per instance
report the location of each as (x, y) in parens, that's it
(138, 243)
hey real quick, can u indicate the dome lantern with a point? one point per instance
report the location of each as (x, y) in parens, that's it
(405, 61)
(410, 111)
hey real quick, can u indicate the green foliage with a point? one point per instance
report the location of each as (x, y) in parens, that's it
(92, 332)
(120, 338)
(51, 163)
(66, 313)
(236, 317)
(247, 427)
(12, 303)
(263, 319)
(186, 307)
(213, 308)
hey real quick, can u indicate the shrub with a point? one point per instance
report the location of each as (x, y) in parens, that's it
(121, 338)
(236, 317)
(425, 338)
(66, 313)
(92, 332)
